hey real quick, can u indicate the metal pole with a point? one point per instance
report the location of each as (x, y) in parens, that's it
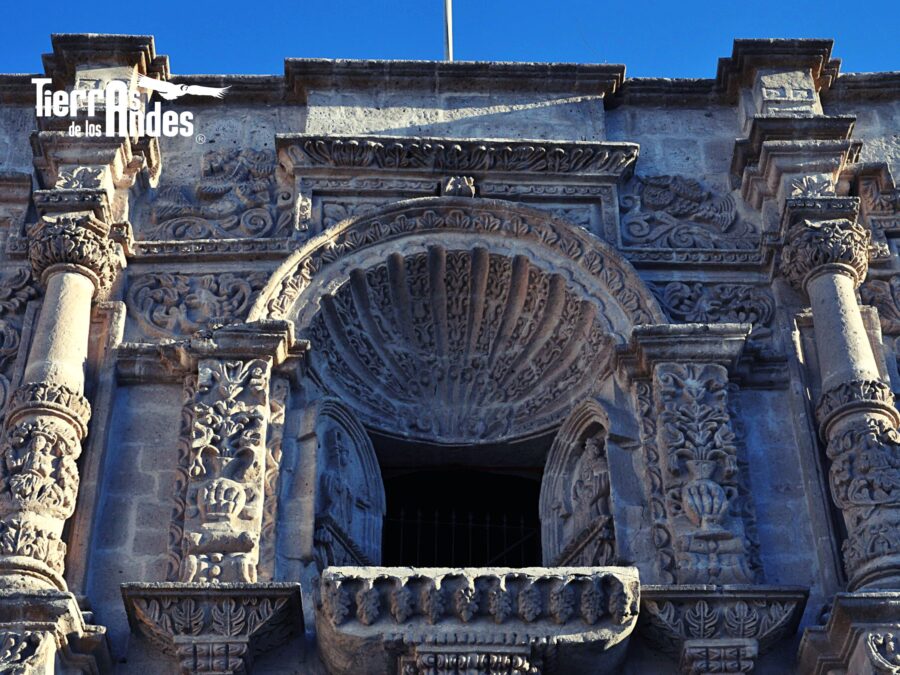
(448, 30)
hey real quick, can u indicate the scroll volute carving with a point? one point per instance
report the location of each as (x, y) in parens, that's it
(576, 503)
(350, 502)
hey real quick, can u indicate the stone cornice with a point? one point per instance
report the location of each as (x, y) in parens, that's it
(749, 56)
(864, 87)
(63, 161)
(578, 79)
(787, 128)
(71, 50)
(777, 158)
(302, 152)
(720, 343)
(670, 92)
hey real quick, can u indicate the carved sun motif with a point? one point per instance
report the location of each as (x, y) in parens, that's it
(459, 346)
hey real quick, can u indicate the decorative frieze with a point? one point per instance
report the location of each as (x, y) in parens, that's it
(576, 613)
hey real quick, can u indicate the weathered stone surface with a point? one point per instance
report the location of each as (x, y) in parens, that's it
(669, 309)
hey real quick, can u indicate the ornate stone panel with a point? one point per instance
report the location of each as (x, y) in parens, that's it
(168, 305)
(673, 218)
(382, 620)
(17, 287)
(238, 196)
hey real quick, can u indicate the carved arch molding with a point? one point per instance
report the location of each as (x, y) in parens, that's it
(456, 321)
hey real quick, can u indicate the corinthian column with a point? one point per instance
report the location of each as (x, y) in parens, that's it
(828, 259)
(47, 417)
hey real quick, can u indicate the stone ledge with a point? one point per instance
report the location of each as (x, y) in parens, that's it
(372, 620)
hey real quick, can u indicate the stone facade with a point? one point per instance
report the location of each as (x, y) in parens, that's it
(673, 304)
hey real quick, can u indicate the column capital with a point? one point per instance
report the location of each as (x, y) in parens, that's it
(77, 242)
(813, 247)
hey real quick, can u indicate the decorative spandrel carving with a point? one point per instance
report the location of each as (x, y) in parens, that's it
(696, 302)
(461, 346)
(238, 196)
(225, 494)
(350, 502)
(695, 433)
(175, 305)
(673, 212)
(575, 507)
(543, 620)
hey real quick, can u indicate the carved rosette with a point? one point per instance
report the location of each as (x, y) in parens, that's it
(696, 436)
(213, 629)
(529, 620)
(225, 495)
(811, 247)
(76, 242)
(719, 629)
(45, 425)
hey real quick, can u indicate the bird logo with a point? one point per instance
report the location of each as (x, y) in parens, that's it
(170, 91)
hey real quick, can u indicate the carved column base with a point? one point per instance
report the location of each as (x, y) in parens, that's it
(861, 637)
(213, 628)
(429, 621)
(43, 632)
(719, 629)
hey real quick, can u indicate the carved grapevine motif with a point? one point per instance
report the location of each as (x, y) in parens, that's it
(238, 196)
(673, 212)
(173, 305)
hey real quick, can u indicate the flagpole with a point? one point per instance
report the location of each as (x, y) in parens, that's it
(448, 30)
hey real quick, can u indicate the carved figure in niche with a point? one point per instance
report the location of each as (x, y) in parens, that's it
(339, 497)
(590, 491)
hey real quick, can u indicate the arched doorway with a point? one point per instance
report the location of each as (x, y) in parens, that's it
(459, 332)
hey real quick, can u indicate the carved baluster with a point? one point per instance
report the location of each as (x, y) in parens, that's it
(828, 259)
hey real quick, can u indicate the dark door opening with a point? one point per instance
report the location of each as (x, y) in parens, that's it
(461, 518)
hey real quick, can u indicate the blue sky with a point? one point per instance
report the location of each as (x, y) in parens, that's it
(662, 39)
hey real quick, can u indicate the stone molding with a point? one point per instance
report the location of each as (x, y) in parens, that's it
(455, 156)
(849, 397)
(710, 629)
(213, 629)
(750, 55)
(559, 620)
(71, 50)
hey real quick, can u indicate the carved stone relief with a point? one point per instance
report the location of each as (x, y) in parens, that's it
(575, 508)
(171, 305)
(238, 196)
(885, 296)
(673, 212)
(458, 345)
(350, 502)
(16, 289)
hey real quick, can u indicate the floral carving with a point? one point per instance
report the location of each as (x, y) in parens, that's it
(855, 394)
(718, 303)
(76, 240)
(810, 245)
(695, 432)
(80, 177)
(334, 212)
(172, 305)
(812, 186)
(228, 455)
(455, 663)
(16, 289)
(673, 212)
(238, 196)
(213, 630)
